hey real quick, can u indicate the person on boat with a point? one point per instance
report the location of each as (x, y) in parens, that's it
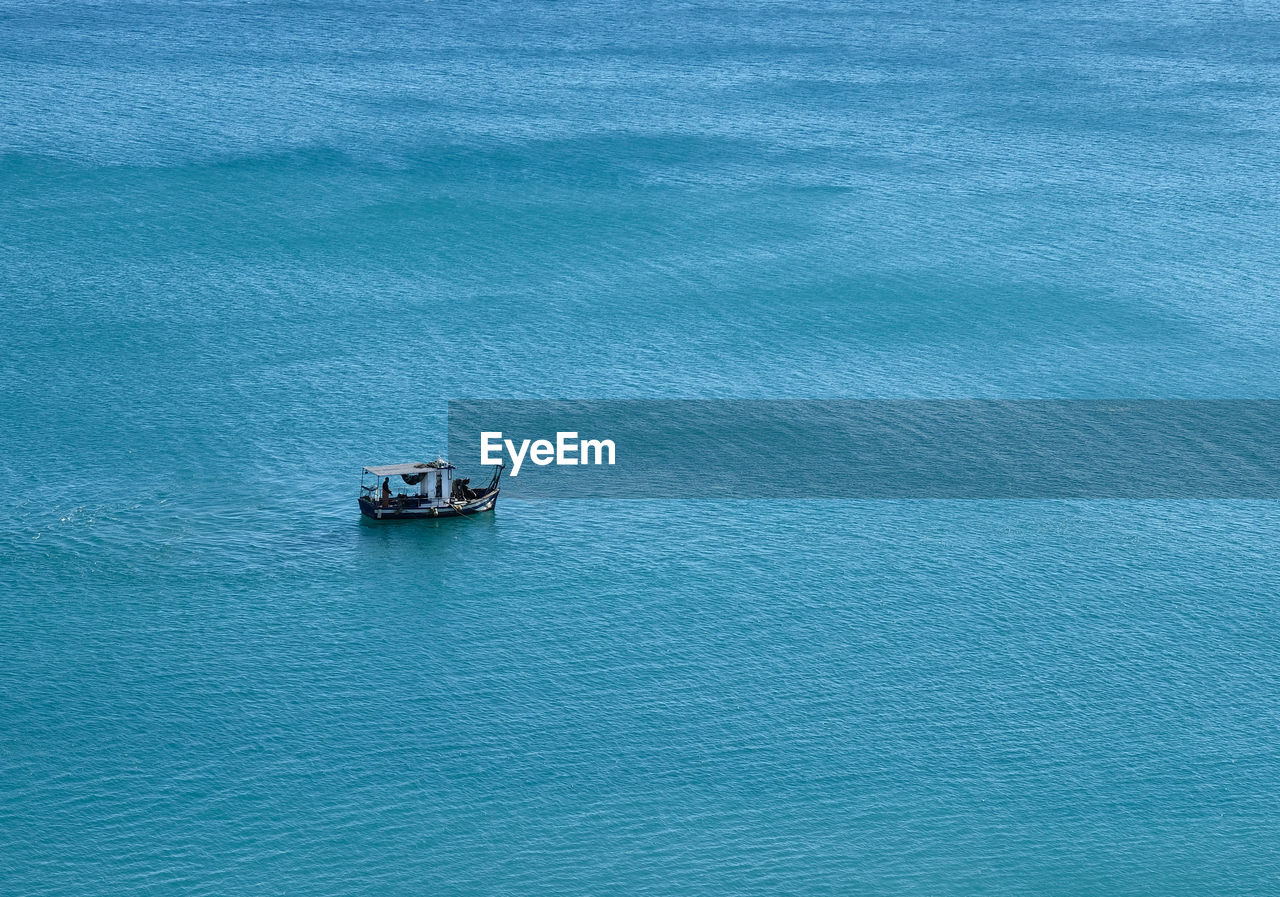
(386, 491)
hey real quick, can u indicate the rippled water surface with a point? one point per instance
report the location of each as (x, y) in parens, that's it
(246, 248)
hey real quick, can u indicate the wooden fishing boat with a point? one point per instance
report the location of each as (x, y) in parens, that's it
(433, 491)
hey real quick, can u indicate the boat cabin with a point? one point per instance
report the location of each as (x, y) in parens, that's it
(429, 483)
(422, 489)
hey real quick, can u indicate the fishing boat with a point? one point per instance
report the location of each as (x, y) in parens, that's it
(433, 491)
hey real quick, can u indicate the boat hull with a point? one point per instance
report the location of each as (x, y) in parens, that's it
(375, 511)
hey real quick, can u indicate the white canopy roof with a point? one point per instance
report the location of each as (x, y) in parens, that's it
(396, 470)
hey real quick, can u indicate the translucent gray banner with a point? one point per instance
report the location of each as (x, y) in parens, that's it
(791, 450)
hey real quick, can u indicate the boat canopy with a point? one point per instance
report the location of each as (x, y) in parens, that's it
(399, 470)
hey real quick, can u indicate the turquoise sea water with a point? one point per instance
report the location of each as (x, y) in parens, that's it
(246, 248)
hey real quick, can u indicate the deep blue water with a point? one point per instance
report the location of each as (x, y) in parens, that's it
(246, 248)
